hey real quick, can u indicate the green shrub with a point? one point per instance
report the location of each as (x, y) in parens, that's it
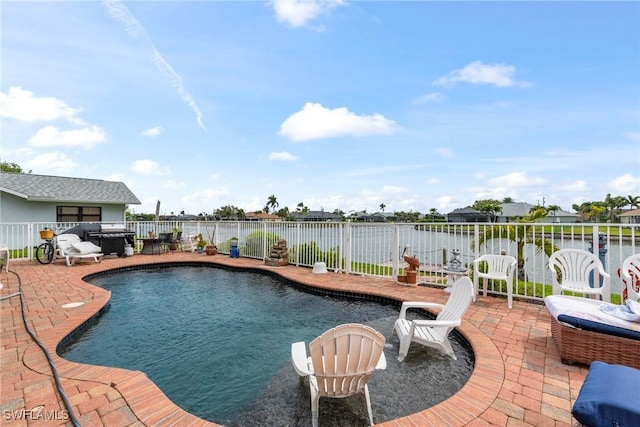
(255, 245)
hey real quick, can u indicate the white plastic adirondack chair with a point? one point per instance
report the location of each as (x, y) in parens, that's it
(499, 267)
(341, 362)
(631, 275)
(573, 270)
(435, 333)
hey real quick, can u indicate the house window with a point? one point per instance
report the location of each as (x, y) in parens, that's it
(78, 214)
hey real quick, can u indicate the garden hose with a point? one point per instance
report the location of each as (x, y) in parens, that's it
(56, 378)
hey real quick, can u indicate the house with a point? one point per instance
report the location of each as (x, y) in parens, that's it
(45, 198)
(630, 216)
(522, 209)
(261, 216)
(467, 214)
(319, 216)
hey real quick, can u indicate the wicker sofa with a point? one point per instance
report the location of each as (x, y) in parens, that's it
(583, 333)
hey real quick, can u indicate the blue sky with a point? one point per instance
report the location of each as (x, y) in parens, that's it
(336, 104)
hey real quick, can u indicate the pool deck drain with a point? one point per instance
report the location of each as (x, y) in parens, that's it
(518, 379)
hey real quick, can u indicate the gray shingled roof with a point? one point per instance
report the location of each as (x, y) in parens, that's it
(45, 188)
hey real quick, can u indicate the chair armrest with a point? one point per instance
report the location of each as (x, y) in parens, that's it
(439, 323)
(382, 362)
(417, 304)
(299, 358)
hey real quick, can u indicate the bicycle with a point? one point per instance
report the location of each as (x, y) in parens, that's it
(46, 251)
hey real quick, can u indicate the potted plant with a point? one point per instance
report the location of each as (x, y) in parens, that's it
(211, 248)
(177, 237)
(234, 250)
(201, 243)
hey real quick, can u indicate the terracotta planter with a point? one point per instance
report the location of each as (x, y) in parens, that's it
(211, 250)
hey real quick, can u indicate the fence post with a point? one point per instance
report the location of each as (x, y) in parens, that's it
(395, 256)
(347, 248)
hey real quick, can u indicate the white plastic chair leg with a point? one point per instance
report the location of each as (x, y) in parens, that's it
(315, 402)
(366, 397)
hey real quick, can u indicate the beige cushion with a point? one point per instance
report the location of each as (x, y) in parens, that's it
(86, 247)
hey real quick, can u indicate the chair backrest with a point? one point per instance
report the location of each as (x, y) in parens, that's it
(165, 237)
(344, 358)
(64, 242)
(462, 293)
(498, 264)
(574, 267)
(631, 275)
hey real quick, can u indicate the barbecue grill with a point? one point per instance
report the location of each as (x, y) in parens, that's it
(112, 238)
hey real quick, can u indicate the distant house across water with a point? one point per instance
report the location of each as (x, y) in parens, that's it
(510, 212)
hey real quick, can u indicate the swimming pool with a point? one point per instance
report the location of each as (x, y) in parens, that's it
(217, 342)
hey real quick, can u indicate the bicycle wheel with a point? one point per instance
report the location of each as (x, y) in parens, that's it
(44, 253)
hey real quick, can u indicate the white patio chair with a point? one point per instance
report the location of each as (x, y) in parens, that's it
(631, 276)
(340, 363)
(573, 270)
(188, 242)
(498, 267)
(435, 333)
(70, 248)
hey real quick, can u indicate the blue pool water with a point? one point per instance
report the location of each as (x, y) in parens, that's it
(215, 341)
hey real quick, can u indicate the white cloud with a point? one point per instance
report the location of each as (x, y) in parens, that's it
(282, 155)
(52, 161)
(572, 187)
(626, 183)
(148, 167)
(429, 97)
(517, 179)
(152, 132)
(120, 13)
(298, 13)
(117, 177)
(21, 104)
(315, 121)
(380, 170)
(444, 152)
(393, 189)
(500, 75)
(51, 136)
(633, 136)
(174, 185)
(205, 197)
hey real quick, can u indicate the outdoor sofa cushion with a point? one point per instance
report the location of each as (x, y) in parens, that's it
(586, 313)
(609, 396)
(86, 247)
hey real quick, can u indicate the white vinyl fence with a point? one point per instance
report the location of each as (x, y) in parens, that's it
(377, 249)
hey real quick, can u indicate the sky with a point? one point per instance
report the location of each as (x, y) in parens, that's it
(350, 105)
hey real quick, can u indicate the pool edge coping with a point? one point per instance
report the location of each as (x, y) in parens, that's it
(151, 406)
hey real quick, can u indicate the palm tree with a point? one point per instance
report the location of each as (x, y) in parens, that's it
(552, 209)
(520, 233)
(272, 204)
(488, 207)
(633, 201)
(300, 207)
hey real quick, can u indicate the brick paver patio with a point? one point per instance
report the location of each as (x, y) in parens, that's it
(518, 378)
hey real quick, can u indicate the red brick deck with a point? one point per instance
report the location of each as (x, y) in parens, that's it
(518, 379)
